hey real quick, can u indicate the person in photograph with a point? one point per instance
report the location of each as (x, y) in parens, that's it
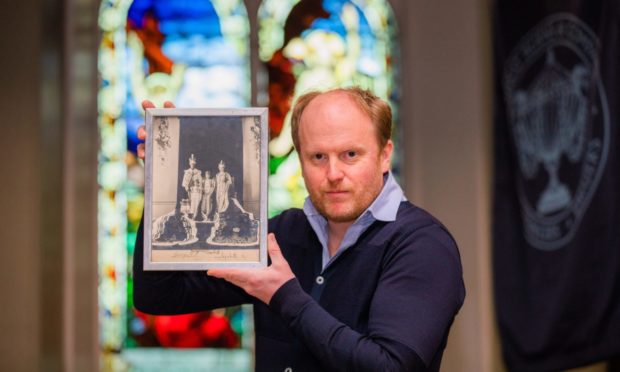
(192, 183)
(207, 196)
(223, 181)
(360, 279)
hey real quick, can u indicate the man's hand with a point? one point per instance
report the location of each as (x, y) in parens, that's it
(142, 129)
(260, 283)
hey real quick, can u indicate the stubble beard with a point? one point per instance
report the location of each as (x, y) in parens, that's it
(357, 204)
(349, 215)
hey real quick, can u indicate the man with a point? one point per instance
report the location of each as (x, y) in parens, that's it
(360, 280)
(192, 183)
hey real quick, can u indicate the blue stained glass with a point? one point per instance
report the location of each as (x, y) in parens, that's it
(334, 22)
(207, 26)
(197, 51)
(133, 122)
(138, 10)
(184, 17)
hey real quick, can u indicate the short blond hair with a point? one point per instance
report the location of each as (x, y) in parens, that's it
(378, 111)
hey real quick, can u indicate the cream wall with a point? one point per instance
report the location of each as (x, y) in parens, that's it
(48, 272)
(447, 97)
(48, 215)
(20, 194)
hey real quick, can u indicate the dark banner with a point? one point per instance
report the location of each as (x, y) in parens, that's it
(556, 230)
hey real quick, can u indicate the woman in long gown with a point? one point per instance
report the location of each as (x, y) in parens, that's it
(223, 181)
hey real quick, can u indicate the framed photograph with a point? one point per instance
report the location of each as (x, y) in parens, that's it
(206, 189)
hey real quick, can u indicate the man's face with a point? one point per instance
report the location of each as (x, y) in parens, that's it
(341, 161)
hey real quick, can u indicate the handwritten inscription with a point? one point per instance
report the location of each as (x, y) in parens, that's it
(203, 255)
(217, 253)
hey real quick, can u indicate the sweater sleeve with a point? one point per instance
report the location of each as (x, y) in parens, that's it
(179, 292)
(419, 292)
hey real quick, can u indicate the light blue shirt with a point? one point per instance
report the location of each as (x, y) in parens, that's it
(383, 208)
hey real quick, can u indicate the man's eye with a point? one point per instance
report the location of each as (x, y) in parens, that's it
(319, 156)
(351, 154)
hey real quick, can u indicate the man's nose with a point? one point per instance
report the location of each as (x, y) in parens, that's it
(334, 171)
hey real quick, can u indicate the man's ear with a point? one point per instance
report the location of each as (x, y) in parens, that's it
(386, 156)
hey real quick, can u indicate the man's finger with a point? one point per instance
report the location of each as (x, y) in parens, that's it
(141, 153)
(142, 132)
(218, 273)
(147, 104)
(168, 104)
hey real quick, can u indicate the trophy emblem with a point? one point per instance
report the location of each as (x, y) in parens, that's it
(550, 121)
(558, 116)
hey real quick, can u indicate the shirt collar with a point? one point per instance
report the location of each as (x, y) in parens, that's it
(385, 206)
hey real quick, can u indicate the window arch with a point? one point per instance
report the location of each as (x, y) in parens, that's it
(158, 50)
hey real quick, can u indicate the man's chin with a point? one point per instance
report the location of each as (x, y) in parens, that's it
(342, 219)
(341, 216)
(335, 212)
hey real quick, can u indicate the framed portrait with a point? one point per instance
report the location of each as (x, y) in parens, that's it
(206, 189)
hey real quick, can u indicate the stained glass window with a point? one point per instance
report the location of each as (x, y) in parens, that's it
(318, 44)
(194, 53)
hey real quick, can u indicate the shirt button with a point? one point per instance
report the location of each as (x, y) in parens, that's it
(319, 280)
(288, 369)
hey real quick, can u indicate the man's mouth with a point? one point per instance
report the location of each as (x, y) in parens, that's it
(336, 193)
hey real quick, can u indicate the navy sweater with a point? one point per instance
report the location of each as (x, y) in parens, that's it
(385, 304)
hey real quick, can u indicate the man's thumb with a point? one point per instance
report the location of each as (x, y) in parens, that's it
(273, 248)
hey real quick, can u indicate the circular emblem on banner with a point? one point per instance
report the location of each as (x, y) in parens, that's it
(559, 121)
